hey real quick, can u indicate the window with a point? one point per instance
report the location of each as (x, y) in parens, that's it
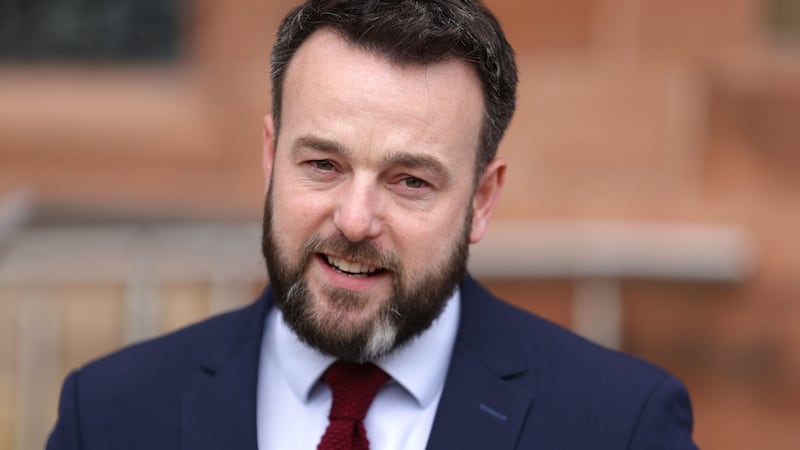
(784, 19)
(116, 31)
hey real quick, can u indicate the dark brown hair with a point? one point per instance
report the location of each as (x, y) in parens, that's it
(413, 32)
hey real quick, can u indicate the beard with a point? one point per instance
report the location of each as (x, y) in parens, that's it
(410, 309)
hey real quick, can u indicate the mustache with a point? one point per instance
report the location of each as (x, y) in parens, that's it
(365, 252)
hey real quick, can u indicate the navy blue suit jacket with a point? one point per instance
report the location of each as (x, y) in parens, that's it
(515, 382)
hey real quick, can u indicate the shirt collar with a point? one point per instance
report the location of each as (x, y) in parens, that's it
(419, 367)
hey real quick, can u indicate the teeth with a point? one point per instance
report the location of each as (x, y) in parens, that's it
(350, 266)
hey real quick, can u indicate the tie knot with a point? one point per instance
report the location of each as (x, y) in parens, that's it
(353, 386)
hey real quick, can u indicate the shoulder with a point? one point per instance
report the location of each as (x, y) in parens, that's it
(618, 400)
(207, 339)
(154, 372)
(134, 396)
(550, 349)
(567, 351)
(561, 359)
(611, 392)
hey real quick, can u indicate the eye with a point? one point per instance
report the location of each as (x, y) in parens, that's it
(322, 164)
(414, 182)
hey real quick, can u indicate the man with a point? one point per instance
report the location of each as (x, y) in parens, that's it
(381, 170)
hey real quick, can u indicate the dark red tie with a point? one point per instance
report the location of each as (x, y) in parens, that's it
(354, 386)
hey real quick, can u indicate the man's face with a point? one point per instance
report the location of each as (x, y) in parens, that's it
(371, 203)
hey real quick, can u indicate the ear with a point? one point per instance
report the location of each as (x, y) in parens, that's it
(268, 149)
(485, 197)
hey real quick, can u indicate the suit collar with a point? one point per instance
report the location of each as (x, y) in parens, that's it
(481, 405)
(213, 413)
(484, 329)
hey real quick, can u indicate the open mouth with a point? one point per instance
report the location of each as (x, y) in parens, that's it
(351, 268)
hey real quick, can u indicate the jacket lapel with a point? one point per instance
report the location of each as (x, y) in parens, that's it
(219, 404)
(481, 407)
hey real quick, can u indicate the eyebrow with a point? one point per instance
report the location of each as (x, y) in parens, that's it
(415, 161)
(320, 144)
(398, 158)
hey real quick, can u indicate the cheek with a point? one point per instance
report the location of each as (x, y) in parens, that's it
(423, 241)
(297, 215)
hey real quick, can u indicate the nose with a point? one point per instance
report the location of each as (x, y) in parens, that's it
(357, 213)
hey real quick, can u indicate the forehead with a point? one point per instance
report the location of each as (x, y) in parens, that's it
(332, 85)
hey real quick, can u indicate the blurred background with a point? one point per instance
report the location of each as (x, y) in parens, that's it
(652, 197)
